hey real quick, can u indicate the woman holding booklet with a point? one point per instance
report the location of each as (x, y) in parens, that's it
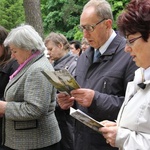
(132, 130)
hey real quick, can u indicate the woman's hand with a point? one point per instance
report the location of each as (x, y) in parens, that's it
(109, 131)
(2, 108)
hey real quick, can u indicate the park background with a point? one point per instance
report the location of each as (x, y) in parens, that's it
(61, 16)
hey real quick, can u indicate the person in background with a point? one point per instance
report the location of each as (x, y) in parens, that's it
(84, 44)
(7, 67)
(103, 80)
(29, 105)
(58, 50)
(132, 129)
(75, 47)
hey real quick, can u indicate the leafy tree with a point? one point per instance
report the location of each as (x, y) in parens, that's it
(58, 15)
(11, 13)
(62, 16)
(117, 7)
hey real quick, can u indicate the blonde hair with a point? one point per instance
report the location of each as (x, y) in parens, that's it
(58, 38)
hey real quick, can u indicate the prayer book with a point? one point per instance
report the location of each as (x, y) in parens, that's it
(85, 119)
(62, 80)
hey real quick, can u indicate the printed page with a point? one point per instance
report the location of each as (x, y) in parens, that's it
(85, 119)
(61, 80)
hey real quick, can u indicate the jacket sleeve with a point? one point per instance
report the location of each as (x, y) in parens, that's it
(132, 140)
(33, 97)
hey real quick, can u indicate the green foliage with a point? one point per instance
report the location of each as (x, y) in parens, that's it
(62, 16)
(117, 7)
(11, 13)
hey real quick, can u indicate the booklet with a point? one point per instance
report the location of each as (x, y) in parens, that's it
(61, 80)
(85, 119)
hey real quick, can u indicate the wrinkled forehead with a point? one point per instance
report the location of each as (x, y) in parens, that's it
(89, 16)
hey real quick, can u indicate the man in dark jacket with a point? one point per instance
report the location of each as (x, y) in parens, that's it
(103, 82)
(59, 51)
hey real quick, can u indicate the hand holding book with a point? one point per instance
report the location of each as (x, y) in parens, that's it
(61, 80)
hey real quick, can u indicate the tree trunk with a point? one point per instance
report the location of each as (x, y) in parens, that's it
(33, 15)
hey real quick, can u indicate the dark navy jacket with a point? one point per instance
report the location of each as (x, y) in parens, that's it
(65, 121)
(108, 77)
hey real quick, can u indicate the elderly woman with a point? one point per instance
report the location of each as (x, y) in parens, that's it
(132, 130)
(29, 104)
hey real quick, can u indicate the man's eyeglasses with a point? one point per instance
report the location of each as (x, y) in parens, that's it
(89, 28)
(129, 42)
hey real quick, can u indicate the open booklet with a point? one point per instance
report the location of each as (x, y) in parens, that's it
(61, 80)
(85, 119)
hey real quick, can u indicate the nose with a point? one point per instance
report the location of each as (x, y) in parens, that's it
(48, 52)
(85, 33)
(127, 49)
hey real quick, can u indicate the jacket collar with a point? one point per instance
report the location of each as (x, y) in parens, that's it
(25, 68)
(114, 46)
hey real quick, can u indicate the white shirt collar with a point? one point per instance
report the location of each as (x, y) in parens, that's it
(104, 47)
(141, 75)
(147, 74)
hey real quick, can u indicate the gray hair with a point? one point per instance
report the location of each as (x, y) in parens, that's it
(25, 37)
(102, 8)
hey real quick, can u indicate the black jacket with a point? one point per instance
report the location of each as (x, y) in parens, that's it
(108, 77)
(65, 121)
(5, 72)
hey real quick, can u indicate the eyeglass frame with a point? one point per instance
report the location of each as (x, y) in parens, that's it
(129, 42)
(81, 28)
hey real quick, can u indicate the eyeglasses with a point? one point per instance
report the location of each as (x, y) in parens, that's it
(89, 28)
(129, 42)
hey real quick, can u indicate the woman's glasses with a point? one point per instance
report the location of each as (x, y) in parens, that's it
(130, 42)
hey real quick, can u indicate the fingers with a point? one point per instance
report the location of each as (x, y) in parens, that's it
(109, 131)
(83, 96)
(64, 101)
(107, 123)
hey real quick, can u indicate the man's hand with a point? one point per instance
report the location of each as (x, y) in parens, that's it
(84, 97)
(65, 101)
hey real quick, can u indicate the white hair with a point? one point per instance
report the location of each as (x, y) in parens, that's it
(25, 37)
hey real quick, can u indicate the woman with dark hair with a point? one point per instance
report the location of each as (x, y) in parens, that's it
(7, 67)
(132, 128)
